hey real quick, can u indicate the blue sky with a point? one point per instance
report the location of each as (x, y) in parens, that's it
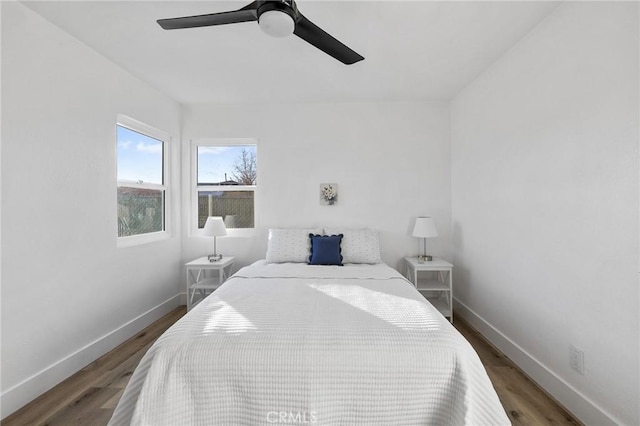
(139, 157)
(215, 161)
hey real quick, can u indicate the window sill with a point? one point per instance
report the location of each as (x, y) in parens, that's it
(231, 232)
(137, 240)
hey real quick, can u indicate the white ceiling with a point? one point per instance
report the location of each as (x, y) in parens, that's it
(414, 50)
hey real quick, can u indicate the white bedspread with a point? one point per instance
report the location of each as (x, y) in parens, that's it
(300, 344)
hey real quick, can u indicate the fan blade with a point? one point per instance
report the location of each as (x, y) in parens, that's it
(313, 34)
(246, 14)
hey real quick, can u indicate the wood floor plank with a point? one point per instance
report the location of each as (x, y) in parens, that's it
(89, 397)
(110, 371)
(524, 402)
(84, 410)
(113, 402)
(119, 375)
(56, 399)
(136, 343)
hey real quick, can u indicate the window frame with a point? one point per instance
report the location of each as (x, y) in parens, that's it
(195, 188)
(165, 138)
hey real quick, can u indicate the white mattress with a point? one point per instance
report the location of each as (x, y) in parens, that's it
(301, 344)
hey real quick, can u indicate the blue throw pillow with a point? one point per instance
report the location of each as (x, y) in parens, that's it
(325, 250)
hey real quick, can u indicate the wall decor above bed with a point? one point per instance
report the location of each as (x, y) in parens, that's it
(328, 194)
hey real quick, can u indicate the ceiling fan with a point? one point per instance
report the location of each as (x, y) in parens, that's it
(277, 18)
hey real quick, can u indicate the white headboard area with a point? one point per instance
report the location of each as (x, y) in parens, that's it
(391, 161)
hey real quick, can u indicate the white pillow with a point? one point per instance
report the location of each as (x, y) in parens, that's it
(290, 245)
(358, 245)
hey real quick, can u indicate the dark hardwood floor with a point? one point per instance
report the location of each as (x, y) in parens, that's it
(89, 397)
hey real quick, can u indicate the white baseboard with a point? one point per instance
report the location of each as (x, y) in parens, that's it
(19, 395)
(579, 405)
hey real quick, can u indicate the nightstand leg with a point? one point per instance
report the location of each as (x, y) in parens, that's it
(451, 293)
(192, 294)
(188, 289)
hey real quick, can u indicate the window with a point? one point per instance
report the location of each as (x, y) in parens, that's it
(141, 174)
(225, 181)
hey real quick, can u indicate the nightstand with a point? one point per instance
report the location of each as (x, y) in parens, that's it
(200, 280)
(433, 279)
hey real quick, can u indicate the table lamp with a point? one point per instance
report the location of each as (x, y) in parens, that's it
(424, 228)
(214, 227)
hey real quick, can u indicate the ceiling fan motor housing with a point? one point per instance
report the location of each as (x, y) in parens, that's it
(277, 18)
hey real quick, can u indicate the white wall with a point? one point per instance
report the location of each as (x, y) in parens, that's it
(68, 294)
(543, 170)
(545, 206)
(391, 162)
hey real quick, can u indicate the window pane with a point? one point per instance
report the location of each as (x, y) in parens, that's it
(227, 165)
(140, 211)
(236, 207)
(139, 157)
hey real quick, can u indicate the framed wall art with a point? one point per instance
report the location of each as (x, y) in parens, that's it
(328, 194)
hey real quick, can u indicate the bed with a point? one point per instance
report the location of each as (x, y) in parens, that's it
(292, 343)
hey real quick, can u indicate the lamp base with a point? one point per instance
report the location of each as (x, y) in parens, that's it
(424, 258)
(214, 257)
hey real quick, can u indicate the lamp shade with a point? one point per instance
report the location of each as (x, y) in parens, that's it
(424, 227)
(214, 227)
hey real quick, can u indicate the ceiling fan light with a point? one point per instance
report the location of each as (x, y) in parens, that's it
(276, 23)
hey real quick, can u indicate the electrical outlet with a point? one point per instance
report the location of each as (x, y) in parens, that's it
(576, 359)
